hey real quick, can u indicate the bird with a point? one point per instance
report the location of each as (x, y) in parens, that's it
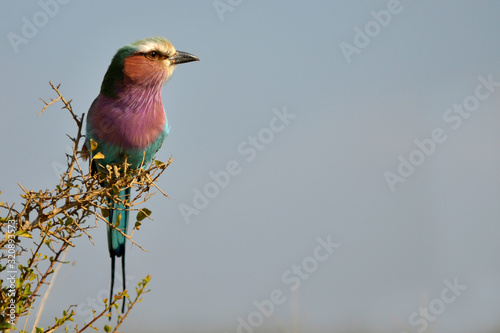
(127, 120)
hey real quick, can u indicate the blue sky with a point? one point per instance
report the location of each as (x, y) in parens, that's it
(389, 150)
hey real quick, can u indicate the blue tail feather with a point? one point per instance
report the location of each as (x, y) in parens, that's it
(118, 216)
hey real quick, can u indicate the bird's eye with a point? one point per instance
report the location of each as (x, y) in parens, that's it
(153, 55)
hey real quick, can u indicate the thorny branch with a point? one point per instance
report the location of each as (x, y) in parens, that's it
(57, 216)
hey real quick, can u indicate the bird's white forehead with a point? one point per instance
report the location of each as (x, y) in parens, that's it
(164, 48)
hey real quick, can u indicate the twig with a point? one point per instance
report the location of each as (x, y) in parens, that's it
(45, 297)
(140, 291)
(47, 273)
(117, 298)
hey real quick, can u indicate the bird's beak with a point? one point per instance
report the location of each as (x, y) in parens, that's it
(181, 57)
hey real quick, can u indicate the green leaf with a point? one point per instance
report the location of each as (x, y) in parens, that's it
(159, 163)
(26, 290)
(143, 213)
(23, 233)
(107, 328)
(5, 326)
(116, 189)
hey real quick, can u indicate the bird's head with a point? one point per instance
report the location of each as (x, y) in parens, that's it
(147, 63)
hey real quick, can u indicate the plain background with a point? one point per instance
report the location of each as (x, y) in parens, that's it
(322, 175)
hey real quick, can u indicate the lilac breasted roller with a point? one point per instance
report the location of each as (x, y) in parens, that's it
(127, 119)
